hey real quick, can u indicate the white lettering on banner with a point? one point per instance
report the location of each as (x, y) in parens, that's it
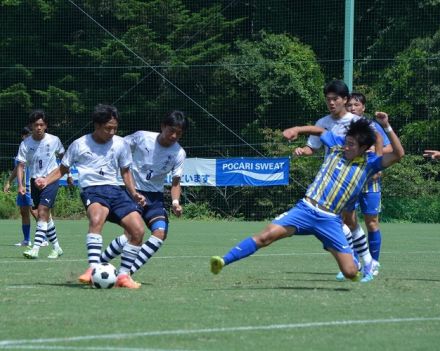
(247, 166)
(269, 166)
(237, 166)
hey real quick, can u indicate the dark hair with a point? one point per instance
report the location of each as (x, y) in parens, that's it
(104, 113)
(25, 131)
(35, 115)
(176, 119)
(362, 130)
(337, 87)
(358, 97)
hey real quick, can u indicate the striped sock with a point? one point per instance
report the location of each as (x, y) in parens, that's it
(129, 254)
(148, 249)
(51, 234)
(361, 246)
(40, 234)
(94, 246)
(114, 249)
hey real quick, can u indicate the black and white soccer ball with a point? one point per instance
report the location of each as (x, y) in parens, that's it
(104, 276)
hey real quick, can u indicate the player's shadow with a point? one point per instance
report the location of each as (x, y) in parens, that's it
(313, 273)
(282, 287)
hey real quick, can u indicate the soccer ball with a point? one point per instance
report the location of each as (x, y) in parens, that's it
(104, 276)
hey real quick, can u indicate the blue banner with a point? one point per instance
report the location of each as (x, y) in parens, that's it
(252, 171)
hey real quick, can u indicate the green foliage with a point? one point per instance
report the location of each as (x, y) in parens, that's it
(198, 210)
(276, 66)
(15, 96)
(421, 135)
(411, 191)
(68, 203)
(8, 208)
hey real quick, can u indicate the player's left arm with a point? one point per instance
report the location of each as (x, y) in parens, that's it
(176, 191)
(398, 151)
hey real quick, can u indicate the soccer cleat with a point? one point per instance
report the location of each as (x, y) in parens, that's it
(367, 278)
(357, 278)
(24, 243)
(44, 243)
(86, 277)
(125, 281)
(55, 253)
(375, 266)
(368, 274)
(217, 264)
(340, 277)
(31, 253)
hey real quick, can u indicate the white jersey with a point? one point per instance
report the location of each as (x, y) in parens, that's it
(336, 126)
(40, 156)
(97, 164)
(152, 162)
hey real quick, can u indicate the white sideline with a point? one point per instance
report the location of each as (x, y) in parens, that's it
(61, 260)
(9, 343)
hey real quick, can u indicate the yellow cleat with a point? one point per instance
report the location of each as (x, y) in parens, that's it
(217, 264)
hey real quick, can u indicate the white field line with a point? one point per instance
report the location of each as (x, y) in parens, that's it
(82, 348)
(62, 260)
(183, 332)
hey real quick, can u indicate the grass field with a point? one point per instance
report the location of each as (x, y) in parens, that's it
(284, 297)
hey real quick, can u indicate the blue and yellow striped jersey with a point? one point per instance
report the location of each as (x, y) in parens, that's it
(340, 181)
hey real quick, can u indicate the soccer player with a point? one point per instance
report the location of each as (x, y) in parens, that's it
(99, 157)
(340, 180)
(23, 202)
(336, 97)
(154, 156)
(40, 152)
(370, 197)
(434, 154)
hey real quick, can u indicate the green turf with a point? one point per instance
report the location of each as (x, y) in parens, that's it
(285, 297)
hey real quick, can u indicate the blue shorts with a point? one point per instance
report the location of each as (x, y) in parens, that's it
(115, 198)
(24, 200)
(308, 219)
(154, 210)
(370, 204)
(46, 196)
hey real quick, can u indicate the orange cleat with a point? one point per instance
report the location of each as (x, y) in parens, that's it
(125, 281)
(86, 277)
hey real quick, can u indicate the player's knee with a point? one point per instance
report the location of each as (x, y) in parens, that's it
(372, 224)
(350, 272)
(160, 234)
(264, 239)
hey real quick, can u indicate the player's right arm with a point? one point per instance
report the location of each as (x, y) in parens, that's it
(52, 177)
(20, 176)
(11, 178)
(294, 132)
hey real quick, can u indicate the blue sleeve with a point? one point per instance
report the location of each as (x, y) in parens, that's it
(329, 139)
(375, 162)
(380, 130)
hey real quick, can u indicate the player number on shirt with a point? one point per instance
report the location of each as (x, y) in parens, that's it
(101, 172)
(40, 164)
(149, 173)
